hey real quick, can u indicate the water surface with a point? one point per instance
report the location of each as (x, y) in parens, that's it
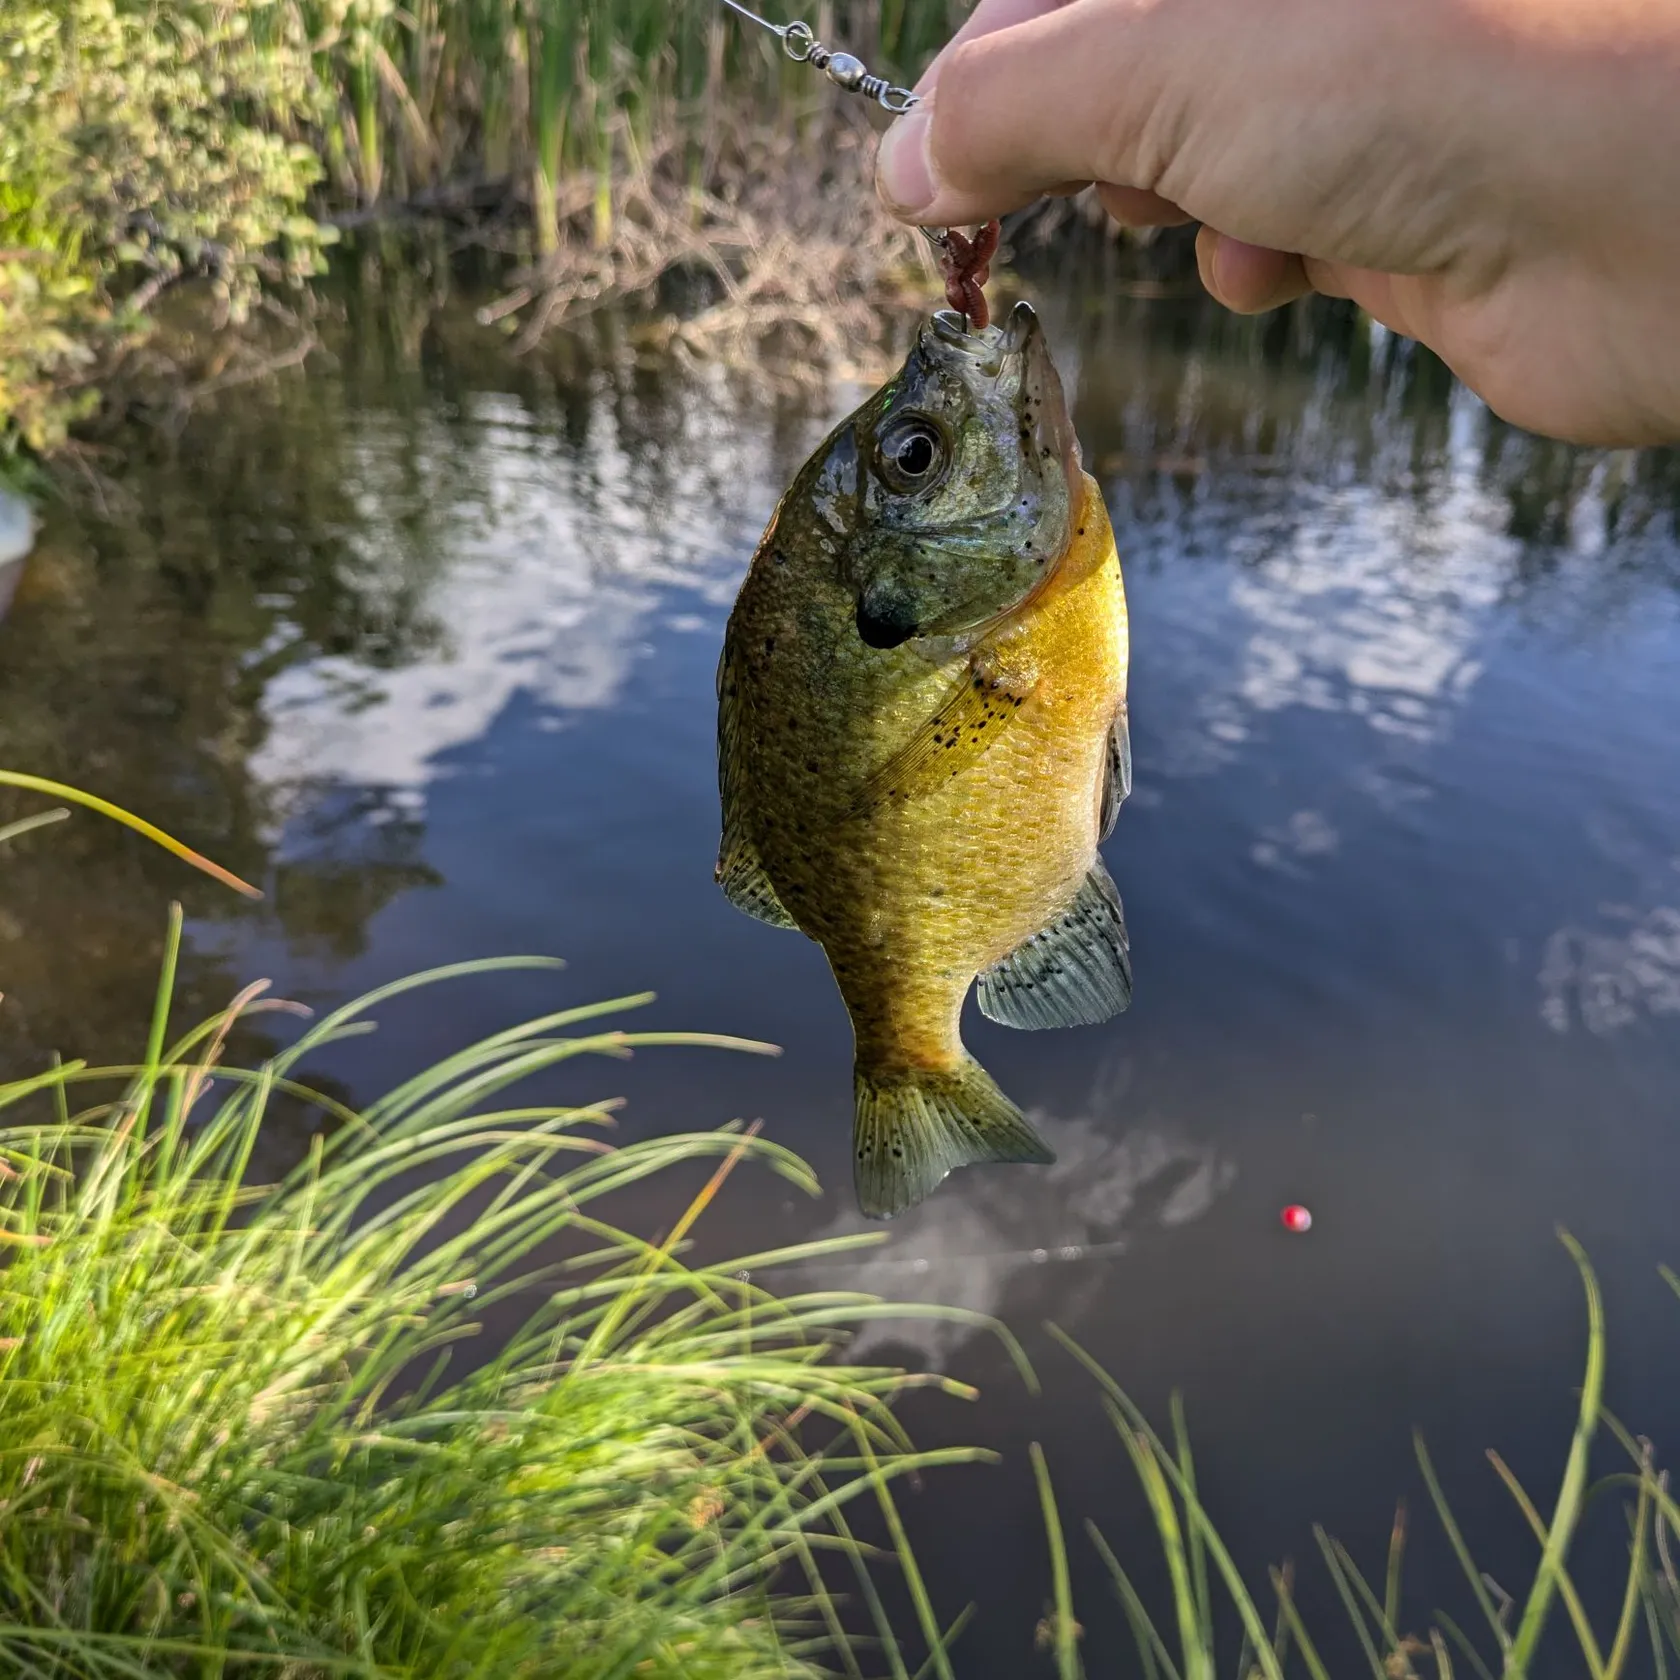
(425, 639)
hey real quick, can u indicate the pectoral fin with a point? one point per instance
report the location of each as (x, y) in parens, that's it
(1117, 773)
(1073, 973)
(974, 715)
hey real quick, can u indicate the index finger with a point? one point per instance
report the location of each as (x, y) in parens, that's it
(986, 18)
(1076, 92)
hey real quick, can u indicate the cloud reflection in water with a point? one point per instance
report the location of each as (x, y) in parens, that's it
(977, 1241)
(561, 570)
(1607, 977)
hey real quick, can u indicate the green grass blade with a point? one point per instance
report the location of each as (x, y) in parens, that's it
(1286, 1603)
(141, 1101)
(74, 796)
(1386, 1624)
(1391, 1583)
(1152, 1649)
(1659, 1656)
(1443, 1661)
(1064, 1633)
(27, 825)
(946, 1640)
(912, 1574)
(1458, 1636)
(1460, 1550)
(1194, 1650)
(1566, 1512)
(1356, 1615)
(1577, 1611)
(1621, 1647)
(1197, 1551)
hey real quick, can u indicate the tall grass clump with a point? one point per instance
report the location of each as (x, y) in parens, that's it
(1217, 1625)
(617, 143)
(262, 1427)
(559, 89)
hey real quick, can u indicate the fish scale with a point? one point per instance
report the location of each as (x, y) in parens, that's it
(929, 812)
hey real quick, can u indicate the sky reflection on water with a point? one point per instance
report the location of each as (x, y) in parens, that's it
(429, 647)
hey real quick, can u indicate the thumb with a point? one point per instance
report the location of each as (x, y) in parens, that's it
(1073, 94)
(986, 18)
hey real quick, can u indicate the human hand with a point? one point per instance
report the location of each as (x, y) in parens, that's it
(1499, 179)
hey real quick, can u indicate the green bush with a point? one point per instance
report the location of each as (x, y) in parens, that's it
(141, 145)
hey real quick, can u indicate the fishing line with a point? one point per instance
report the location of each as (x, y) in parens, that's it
(920, 1265)
(800, 43)
(964, 260)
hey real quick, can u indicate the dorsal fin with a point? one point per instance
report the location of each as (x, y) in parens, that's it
(740, 870)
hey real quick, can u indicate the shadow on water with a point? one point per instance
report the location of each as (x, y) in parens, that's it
(424, 642)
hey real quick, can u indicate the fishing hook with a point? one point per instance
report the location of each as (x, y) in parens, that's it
(962, 261)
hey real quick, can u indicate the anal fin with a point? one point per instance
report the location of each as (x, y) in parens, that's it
(913, 1128)
(741, 875)
(1075, 972)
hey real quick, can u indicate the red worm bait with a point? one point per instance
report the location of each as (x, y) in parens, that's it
(967, 265)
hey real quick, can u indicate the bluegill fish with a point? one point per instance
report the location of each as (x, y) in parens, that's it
(922, 738)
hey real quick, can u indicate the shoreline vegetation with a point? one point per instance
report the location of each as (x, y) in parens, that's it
(173, 175)
(260, 1428)
(414, 1407)
(274, 1452)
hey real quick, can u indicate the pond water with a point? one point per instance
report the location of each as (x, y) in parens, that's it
(424, 641)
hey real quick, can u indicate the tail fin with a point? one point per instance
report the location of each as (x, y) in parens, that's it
(913, 1128)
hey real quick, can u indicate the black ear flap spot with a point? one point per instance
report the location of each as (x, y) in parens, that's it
(885, 619)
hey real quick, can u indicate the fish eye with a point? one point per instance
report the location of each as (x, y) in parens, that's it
(912, 454)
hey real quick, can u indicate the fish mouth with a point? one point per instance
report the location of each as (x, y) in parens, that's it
(1042, 398)
(1041, 402)
(1015, 348)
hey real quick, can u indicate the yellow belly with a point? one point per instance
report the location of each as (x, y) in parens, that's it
(913, 900)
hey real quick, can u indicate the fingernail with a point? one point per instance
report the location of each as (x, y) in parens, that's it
(904, 173)
(1221, 266)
